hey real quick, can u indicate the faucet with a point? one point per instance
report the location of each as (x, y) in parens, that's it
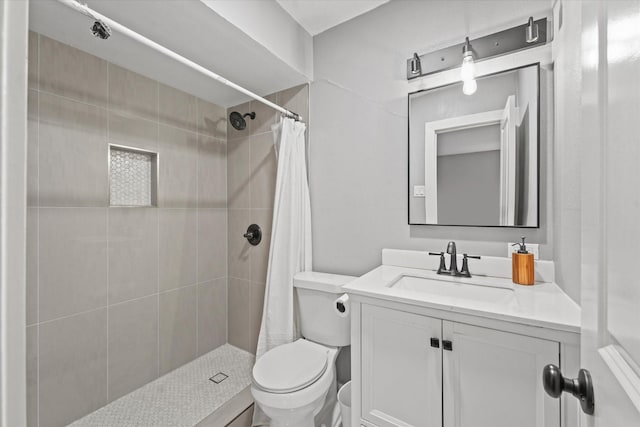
(453, 264)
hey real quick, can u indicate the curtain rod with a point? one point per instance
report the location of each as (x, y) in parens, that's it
(87, 11)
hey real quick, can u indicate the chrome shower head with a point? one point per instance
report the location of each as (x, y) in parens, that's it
(237, 120)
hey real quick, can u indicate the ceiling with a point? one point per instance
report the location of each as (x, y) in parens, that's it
(197, 32)
(317, 16)
(187, 27)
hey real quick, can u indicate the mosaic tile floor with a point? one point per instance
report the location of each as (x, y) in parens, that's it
(183, 397)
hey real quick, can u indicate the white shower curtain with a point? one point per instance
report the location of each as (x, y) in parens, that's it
(290, 250)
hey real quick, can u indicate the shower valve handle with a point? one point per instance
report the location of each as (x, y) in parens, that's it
(253, 234)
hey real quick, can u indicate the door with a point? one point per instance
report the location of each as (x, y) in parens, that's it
(508, 162)
(492, 378)
(401, 370)
(610, 158)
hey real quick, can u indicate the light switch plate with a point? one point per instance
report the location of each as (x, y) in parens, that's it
(531, 247)
(418, 191)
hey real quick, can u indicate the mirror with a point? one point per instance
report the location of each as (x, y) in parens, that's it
(473, 160)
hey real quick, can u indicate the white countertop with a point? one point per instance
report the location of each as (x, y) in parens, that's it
(541, 305)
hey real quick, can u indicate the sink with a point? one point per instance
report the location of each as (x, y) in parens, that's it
(457, 288)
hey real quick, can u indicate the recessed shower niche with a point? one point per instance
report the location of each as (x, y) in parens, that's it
(133, 176)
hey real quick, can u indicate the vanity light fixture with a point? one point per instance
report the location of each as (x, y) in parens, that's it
(529, 34)
(468, 70)
(532, 31)
(416, 67)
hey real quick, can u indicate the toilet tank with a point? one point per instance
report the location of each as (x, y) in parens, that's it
(319, 320)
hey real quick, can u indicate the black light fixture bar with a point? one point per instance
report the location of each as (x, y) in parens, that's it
(497, 44)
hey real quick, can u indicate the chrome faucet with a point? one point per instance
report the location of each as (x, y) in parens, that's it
(453, 264)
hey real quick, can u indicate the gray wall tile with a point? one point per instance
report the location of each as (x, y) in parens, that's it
(239, 318)
(72, 73)
(212, 244)
(72, 156)
(133, 131)
(178, 339)
(73, 261)
(133, 345)
(296, 99)
(32, 376)
(132, 93)
(239, 173)
(32, 266)
(256, 303)
(259, 258)
(239, 248)
(212, 315)
(32, 147)
(178, 248)
(73, 367)
(212, 172)
(178, 180)
(212, 120)
(33, 60)
(133, 253)
(177, 108)
(264, 166)
(265, 115)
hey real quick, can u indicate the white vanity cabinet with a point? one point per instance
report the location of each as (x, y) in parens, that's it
(418, 370)
(399, 368)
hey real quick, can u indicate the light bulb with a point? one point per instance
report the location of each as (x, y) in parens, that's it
(469, 87)
(468, 71)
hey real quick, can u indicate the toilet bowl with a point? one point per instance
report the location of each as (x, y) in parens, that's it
(294, 382)
(291, 382)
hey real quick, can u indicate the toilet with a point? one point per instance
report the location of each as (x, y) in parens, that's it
(295, 384)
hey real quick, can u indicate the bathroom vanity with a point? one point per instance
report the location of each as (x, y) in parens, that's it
(430, 350)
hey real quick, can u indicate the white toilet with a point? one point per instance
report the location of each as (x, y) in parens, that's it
(295, 382)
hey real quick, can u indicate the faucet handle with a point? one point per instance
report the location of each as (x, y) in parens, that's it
(442, 267)
(465, 264)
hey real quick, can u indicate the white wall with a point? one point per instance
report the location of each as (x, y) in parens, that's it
(358, 168)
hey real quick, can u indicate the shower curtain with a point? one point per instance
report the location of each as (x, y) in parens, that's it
(290, 250)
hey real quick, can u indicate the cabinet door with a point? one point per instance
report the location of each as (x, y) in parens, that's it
(493, 379)
(401, 371)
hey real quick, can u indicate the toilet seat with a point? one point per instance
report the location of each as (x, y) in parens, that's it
(290, 367)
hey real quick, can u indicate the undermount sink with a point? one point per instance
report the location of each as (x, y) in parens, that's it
(456, 287)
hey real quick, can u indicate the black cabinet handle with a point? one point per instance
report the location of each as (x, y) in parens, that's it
(581, 387)
(447, 345)
(435, 342)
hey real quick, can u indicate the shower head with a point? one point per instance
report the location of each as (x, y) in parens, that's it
(237, 120)
(101, 30)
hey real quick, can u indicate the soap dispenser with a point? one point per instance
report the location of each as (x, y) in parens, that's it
(522, 265)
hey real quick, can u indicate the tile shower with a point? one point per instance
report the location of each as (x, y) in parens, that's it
(118, 296)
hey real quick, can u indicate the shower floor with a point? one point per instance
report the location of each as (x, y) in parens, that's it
(185, 397)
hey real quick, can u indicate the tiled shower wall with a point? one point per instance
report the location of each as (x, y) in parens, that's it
(118, 296)
(251, 167)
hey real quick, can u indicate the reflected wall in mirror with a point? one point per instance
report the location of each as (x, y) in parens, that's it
(473, 160)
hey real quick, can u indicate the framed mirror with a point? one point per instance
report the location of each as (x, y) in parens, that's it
(474, 159)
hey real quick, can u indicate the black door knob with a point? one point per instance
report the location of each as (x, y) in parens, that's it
(581, 387)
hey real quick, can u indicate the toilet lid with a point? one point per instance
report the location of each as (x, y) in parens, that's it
(290, 367)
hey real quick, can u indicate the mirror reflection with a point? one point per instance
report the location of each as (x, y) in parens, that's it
(473, 160)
